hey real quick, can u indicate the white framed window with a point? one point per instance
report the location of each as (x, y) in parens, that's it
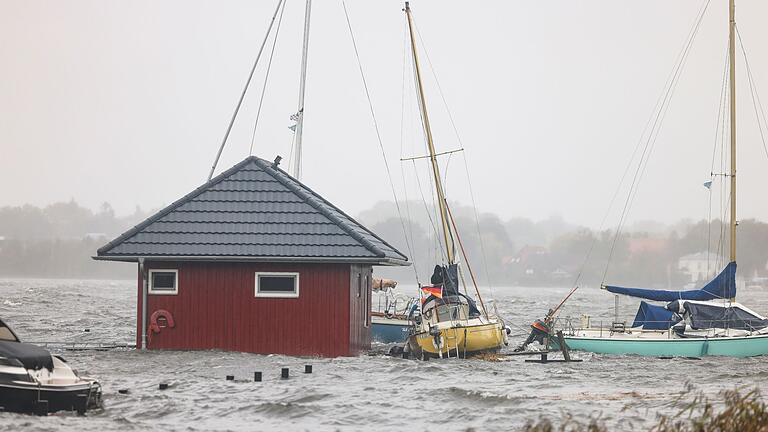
(277, 284)
(164, 282)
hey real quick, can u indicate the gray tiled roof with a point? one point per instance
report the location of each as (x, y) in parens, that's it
(252, 211)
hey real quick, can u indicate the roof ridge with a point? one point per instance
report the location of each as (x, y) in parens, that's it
(176, 204)
(311, 200)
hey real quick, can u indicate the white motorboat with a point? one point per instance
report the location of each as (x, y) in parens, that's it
(34, 381)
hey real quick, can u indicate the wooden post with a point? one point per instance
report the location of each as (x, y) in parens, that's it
(563, 346)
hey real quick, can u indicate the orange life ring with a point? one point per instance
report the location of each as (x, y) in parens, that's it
(160, 319)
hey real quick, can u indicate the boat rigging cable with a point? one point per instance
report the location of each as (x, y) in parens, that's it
(378, 134)
(660, 103)
(450, 242)
(438, 250)
(466, 167)
(402, 141)
(472, 196)
(756, 104)
(466, 260)
(719, 131)
(650, 141)
(245, 90)
(266, 78)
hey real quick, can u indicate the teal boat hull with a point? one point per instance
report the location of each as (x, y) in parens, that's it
(741, 346)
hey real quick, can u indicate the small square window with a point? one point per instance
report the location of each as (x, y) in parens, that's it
(283, 284)
(164, 282)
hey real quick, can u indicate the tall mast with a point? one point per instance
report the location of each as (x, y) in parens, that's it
(299, 116)
(732, 67)
(449, 248)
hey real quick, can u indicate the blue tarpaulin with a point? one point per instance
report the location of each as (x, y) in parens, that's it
(652, 317)
(722, 286)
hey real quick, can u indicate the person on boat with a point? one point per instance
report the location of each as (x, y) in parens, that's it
(540, 329)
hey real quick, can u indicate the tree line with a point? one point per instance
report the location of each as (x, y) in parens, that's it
(59, 240)
(553, 252)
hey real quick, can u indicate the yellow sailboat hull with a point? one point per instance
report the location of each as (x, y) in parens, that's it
(459, 341)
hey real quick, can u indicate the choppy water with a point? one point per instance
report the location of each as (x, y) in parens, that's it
(371, 392)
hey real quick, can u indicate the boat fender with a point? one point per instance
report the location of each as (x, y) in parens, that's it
(160, 319)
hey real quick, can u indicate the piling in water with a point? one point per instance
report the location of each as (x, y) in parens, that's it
(307, 369)
(257, 376)
(284, 373)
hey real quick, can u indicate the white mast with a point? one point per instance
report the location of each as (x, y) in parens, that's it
(299, 116)
(732, 73)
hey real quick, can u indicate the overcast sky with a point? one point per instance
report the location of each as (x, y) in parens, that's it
(127, 102)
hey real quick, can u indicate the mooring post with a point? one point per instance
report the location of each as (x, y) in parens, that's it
(563, 346)
(307, 369)
(546, 350)
(284, 373)
(257, 376)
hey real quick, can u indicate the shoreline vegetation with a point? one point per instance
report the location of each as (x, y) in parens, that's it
(734, 410)
(58, 241)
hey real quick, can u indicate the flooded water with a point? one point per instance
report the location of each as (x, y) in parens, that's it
(372, 392)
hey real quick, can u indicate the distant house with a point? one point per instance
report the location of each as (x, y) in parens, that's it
(699, 266)
(528, 254)
(253, 260)
(529, 262)
(639, 245)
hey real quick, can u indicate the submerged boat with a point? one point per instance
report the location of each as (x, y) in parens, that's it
(687, 323)
(389, 320)
(448, 323)
(34, 381)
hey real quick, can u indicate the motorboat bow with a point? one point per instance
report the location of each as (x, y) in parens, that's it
(34, 381)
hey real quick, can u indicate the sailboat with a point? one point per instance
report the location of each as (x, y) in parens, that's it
(448, 323)
(692, 323)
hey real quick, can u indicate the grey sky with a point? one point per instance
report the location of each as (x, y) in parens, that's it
(127, 102)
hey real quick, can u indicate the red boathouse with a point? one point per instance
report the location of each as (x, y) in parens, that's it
(254, 261)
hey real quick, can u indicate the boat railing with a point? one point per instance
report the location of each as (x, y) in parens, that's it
(574, 326)
(83, 346)
(394, 305)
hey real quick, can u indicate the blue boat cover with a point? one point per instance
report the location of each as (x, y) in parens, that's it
(722, 286)
(652, 317)
(707, 316)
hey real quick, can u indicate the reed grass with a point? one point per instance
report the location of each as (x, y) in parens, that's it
(736, 411)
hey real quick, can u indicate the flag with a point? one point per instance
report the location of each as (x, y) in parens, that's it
(428, 291)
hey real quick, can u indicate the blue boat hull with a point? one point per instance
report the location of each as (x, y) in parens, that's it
(387, 330)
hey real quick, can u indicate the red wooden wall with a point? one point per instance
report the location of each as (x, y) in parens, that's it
(215, 308)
